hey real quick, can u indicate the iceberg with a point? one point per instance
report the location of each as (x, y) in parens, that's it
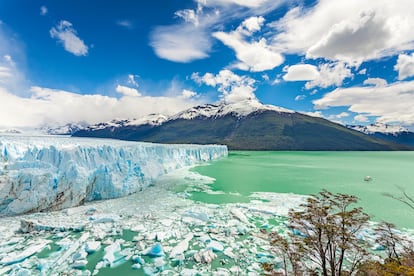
(51, 173)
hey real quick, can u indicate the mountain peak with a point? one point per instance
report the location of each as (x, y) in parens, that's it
(239, 109)
(150, 119)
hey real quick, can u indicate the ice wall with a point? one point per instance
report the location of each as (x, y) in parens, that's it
(50, 173)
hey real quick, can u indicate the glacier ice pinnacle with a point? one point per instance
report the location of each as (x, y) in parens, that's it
(51, 173)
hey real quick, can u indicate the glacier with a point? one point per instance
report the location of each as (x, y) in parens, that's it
(50, 173)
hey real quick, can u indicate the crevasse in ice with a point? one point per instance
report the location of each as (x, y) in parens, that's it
(50, 173)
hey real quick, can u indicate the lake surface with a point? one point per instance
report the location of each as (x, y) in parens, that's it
(244, 173)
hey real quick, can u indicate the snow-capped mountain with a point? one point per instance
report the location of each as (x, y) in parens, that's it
(10, 131)
(67, 129)
(395, 134)
(238, 109)
(380, 128)
(151, 119)
(245, 125)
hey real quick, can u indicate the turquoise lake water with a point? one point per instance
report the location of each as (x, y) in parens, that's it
(244, 172)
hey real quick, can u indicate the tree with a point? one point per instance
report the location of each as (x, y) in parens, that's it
(404, 198)
(327, 231)
(290, 251)
(399, 251)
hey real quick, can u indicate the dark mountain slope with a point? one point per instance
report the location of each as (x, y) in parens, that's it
(262, 129)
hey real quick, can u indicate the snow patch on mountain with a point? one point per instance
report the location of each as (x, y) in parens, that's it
(67, 129)
(151, 119)
(239, 109)
(379, 128)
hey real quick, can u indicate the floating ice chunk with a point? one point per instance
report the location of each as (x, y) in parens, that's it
(80, 264)
(221, 272)
(236, 270)
(92, 246)
(106, 218)
(13, 240)
(28, 226)
(136, 266)
(73, 247)
(205, 256)
(17, 257)
(81, 255)
(378, 247)
(160, 236)
(167, 222)
(197, 215)
(149, 270)
(189, 272)
(138, 228)
(181, 247)
(368, 178)
(90, 211)
(113, 254)
(205, 238)
(138, 260)
(241, 229)
(229, 253)
(159, 263)
(216, 246)
(18, 271)
(239, 215)
(155, 251)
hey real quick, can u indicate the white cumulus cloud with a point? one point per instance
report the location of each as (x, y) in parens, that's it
(58, 107)
(43, 10)
(244, 3)
(323, 76)
(405, 66)
(378, 82)
(392, 103)
(67, 35)
(127, 91)
(180, 43)
(186, 94)
(350, 31)
(254, 55)
(300, 97)
(301, 72)
(188, 15)
(330, 74)
(132, 80)
(361, 118)
(191, 39)
(235, 88)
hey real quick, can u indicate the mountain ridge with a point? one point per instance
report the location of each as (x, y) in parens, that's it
(391, 133)
(246, 125)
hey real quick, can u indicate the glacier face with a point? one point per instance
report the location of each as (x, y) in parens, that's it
(51, 173)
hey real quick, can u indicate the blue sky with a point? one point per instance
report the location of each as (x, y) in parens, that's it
(350, 61)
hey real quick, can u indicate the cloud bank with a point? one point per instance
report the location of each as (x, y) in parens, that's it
(57, 107)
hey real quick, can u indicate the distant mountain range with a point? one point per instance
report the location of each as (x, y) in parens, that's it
(395, 134)
(67, 129)
(246, 125)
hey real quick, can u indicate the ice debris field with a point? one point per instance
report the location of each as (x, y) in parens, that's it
(158, 231)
